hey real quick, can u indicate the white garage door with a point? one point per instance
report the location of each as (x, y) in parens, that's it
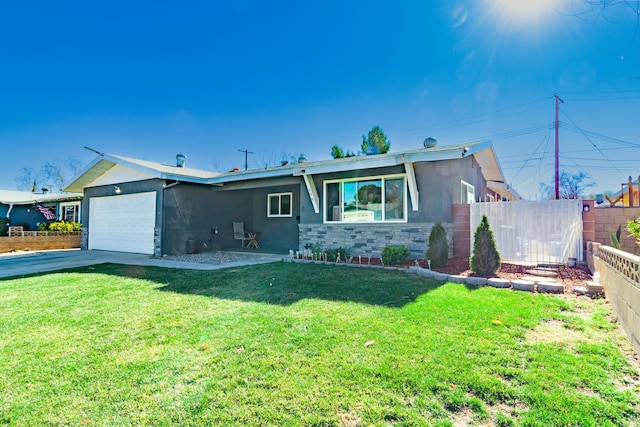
(123, 223)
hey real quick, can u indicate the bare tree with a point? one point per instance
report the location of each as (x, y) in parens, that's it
(28, 179)
(52, 175)
(570, 186)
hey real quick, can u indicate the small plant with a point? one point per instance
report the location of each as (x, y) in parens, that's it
(338, 254)
(633, 226)
(614, 237)
(486, 258)
(4, 226)
(316, 251)
(60, 226)
(438, 251)
(392, 255)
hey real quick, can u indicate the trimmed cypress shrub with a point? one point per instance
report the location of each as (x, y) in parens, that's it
(438, 251)
(486, 258)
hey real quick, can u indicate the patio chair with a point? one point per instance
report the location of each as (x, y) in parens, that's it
(240, 234)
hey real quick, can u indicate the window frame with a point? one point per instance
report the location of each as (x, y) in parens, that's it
(464, 189)
(279, 196)
(382, 178)
(64, 205)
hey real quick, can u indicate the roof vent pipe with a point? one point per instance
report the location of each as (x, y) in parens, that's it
(180, 159)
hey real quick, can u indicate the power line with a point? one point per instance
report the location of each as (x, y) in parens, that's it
(592, 143)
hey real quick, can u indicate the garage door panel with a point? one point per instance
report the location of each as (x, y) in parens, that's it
(123, 223)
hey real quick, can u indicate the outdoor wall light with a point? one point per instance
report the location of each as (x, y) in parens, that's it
(117, 189)
(585, 208)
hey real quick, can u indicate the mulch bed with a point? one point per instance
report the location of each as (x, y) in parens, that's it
(570, 277)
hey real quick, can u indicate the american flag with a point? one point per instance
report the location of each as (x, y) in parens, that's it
(48, 215)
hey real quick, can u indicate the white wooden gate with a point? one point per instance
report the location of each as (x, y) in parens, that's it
(533, 232)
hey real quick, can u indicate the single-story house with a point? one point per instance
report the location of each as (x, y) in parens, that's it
(31, 209)
(361, 203)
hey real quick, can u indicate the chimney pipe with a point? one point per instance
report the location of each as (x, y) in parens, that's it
(180, 159)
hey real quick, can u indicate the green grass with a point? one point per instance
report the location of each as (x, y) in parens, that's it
(289, 344)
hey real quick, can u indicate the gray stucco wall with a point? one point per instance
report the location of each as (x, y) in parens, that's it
(194, 212)
(438, 187)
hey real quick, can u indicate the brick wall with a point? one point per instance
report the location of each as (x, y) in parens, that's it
(610, 218)
(38, 243)
(370, 239)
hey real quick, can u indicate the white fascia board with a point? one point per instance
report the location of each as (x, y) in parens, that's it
(349, 164)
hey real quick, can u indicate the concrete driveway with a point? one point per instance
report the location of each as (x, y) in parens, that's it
(17, 264)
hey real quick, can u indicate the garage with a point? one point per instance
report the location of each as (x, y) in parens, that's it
(123, 223)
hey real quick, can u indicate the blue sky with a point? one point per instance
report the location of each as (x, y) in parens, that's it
(283, 78)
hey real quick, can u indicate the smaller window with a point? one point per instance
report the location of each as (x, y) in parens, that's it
(70, 212)
(467, 193)
(279, 204)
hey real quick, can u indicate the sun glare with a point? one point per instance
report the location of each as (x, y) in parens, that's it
(523, 12)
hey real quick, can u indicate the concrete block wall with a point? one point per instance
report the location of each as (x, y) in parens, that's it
(620, 276)
(610, 218)
(39, 243)
(370, 239)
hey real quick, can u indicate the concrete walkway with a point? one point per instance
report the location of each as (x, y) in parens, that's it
(18, 264)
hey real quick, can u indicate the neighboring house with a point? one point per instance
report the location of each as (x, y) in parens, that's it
(360, 203)
(32, 209)
(628, 195)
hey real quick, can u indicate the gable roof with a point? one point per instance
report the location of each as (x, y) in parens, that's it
(482, 152)
(11, 197)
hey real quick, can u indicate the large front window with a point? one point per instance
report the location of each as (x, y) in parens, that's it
(371, 199)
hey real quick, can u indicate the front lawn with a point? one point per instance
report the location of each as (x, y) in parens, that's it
(289, 344)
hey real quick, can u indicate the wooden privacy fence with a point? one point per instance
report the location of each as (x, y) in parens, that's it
(533, 232)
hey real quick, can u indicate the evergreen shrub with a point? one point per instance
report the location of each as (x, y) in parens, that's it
(485, 260)
(393, 255)
(438, 251)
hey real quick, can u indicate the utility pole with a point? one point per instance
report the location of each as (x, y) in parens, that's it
(558, 101)
(246, 153)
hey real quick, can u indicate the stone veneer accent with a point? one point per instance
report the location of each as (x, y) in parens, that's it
(84, 240)
(157, 241)
(370, 239)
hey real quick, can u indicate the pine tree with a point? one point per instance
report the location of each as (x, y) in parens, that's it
(486, 258)
(438, 251)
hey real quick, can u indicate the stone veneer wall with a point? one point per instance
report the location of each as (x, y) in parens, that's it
(370, 239)
(620, 277)
(84, 242)
(157, 241)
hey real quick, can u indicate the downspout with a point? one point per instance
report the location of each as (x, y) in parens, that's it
(9, 211)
